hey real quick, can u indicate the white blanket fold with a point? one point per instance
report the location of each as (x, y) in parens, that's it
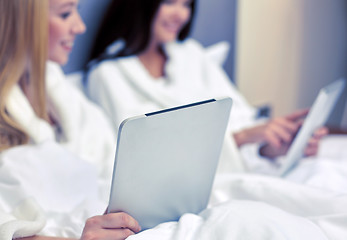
(26, 220)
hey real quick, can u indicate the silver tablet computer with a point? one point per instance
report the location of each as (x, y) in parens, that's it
(166, 161)
(317, 116)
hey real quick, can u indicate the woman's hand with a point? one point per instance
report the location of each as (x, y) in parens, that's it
(110, 226)
(113, 226)
(313, 144)
(310, 150)
(277, 132)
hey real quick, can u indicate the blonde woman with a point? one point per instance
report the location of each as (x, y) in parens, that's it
(56, 148)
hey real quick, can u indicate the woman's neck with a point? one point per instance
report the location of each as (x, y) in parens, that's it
(154, 59)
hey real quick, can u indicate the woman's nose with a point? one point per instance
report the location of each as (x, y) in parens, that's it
(79, 26)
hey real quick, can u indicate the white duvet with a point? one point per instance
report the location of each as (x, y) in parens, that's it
(307, 205)
(59, 199)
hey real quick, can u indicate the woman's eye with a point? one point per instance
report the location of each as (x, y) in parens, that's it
(65, 15)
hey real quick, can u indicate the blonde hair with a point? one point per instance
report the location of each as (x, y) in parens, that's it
(23, 54)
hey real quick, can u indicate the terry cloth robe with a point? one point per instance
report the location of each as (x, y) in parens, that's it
(124, 88)
(63, 175)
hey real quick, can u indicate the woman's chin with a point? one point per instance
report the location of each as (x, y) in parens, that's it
(61, 61)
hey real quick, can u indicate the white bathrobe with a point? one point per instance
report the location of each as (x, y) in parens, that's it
(64, 181)
(124, 88)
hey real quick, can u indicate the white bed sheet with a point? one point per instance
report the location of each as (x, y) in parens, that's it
(328, 170)
(311, 203)
(307, 205)
(261, 207)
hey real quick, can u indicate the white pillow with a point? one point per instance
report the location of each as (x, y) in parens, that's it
(218, 52)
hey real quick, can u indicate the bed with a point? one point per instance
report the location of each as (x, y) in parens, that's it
(310, 204)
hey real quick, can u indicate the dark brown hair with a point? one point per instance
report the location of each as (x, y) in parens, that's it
(131, 21)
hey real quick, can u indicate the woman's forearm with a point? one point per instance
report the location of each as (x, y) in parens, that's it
(240, 138)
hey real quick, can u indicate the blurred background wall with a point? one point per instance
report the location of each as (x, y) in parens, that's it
(287, 50)
(216, 21)
(282, 52)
